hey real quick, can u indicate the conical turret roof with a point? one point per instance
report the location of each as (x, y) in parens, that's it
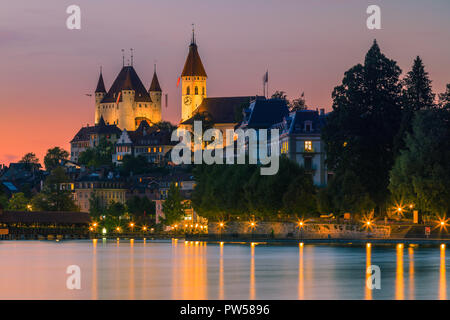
(154, 86)
(100, 85)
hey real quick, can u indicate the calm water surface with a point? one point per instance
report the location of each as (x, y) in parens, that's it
(178, 270)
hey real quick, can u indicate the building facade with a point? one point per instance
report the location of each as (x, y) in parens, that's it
(104, 190)
(300, 140)
(150, 142)
(90, 136)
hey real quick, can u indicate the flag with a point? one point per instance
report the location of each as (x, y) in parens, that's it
(118, 98)
(266, 77)
(178, 82)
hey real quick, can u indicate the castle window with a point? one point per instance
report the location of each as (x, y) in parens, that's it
(188, 90)
(196, 90)
(203, 91)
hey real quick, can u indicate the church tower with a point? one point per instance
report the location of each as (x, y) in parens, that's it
(100, 93)
(193, 82)
(155, 93)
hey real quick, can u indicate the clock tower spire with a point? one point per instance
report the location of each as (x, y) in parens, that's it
(193, 81)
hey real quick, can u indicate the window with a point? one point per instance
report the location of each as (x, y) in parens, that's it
(203, 91)
(308, 126)
(188, 90)
(196, 90)
(284, 147)
(308, 146)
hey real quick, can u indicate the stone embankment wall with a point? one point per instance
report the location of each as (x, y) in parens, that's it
(286, 230)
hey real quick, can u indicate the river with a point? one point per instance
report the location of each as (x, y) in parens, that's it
(151, 269)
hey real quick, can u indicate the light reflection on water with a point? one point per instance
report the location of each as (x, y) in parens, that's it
(144, 269)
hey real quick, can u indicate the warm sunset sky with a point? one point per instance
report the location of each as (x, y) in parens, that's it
(46, 70)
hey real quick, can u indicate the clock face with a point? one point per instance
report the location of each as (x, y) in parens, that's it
(187, 100)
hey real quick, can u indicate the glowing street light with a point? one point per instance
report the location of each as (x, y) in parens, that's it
(442, 223)
(368, 222)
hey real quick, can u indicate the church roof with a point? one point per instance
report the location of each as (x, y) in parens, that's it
(100, 85)
(154, 86)
(193, 66)
(263, 113)
(221, 109)
(127, 79)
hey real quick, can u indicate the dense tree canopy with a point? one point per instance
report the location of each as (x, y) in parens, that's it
(227, 191)
(100, 155)
(141, 208)
(53, 158)
(29, 158)
(417, 95)
(173, 207)
(421, 173)
(360, 131)
(18, 202)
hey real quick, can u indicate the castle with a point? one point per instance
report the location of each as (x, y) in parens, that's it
(128, 102)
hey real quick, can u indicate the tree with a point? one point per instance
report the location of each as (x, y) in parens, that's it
(100, 155)
(96, 209)
(300, 197)
(165, 126)
(141, 208)
(444, 98)
(116, 209)
(54, 197)
(54, 157)
(359, 134)
(298, 104)
(280, 95)
(421, 172)
(19, 202)
(173, 207)
(3, 202)
(29, 158)
(417, 95)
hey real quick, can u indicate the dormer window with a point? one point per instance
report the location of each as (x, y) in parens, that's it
(308, 126)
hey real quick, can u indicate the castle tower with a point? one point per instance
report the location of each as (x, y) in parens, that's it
(100, 93)
(127, 103)
(155, 93)
(193, 81)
